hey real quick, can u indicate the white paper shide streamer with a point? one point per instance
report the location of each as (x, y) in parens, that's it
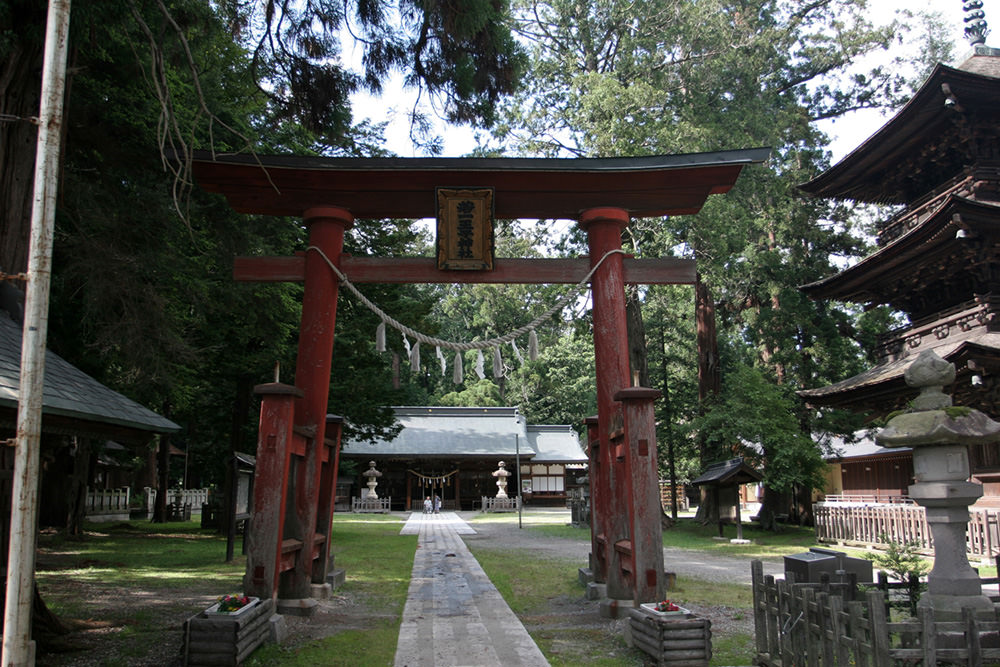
(458, 374)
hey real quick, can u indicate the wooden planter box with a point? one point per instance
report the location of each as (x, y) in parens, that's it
(226, 640)
(675, 640)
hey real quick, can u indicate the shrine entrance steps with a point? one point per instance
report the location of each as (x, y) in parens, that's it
(454, 615)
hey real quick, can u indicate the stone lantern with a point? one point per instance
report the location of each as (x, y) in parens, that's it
(372, 476)
(939, 435)
(501, 473)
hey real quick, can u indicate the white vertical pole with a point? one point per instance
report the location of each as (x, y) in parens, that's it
(18, 649)
(520, 486)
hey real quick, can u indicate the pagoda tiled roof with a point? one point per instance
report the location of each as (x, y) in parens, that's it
(942, 241)
(873, 172)
(886, 379)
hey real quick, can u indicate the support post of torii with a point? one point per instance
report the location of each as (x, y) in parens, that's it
(604, 227)
(327, 226)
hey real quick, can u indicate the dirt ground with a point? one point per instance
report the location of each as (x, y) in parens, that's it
(122, 636)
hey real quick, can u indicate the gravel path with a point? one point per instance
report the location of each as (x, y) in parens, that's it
(682, 562)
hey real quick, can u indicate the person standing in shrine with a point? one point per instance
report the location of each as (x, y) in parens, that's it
(427, 505)
(437, 503)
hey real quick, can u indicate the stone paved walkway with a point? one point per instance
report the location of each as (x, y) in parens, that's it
(454, 616)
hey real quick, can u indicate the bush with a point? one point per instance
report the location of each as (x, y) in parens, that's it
(900, 559)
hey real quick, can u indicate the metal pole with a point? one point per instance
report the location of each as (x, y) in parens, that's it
(18, 649)
(517, 458)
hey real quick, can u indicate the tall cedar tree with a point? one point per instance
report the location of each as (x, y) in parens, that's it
(615, 78)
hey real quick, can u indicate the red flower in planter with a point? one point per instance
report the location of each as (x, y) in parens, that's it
(228, 603)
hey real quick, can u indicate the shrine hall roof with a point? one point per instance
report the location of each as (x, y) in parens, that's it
(861, 446)
(494, 433)
(545, 188)
(872, 172)
(555, 444)
(72, 402)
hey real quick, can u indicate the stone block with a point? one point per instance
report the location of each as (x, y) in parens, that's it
(297, 607)
(278, 628)
(321, 591)
(596, 591)
(614, 608)
(336, 578)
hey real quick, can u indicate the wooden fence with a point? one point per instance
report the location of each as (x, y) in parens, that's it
(857, 523)
(108, 501)
(799, 624)
(117, 504)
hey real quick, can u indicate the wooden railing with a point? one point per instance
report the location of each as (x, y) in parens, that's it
(796, 624)
(108, 501)
(371, 505)
(114, 502)
(867, 524)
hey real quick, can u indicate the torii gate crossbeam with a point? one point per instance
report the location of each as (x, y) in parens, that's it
(289, 537)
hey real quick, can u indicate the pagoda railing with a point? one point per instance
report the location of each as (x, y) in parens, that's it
(921, 209)
(956, 322)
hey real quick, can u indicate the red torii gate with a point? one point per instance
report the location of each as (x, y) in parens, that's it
(289, 540)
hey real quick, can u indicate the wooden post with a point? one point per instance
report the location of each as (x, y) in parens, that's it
(599, 508)
(327, 496)
(409, 491)
(270, 489)
(312, 375)
(18, 649)
(642, 491)
(604, 227)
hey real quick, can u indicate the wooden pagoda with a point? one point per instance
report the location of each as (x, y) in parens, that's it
(937, 257)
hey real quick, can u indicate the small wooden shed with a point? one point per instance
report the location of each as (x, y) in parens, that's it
(726, 475)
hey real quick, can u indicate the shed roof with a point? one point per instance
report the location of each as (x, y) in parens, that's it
(71, 394)
(471, 432)
(733, 471)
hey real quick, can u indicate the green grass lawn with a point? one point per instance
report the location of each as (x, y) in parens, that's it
(530, 588)
(689, 534)
(165, 573)
(379, 562)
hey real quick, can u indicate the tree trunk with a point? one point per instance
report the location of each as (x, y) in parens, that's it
(709, 378)
(76, 494)
(162, 480)
(163, 474)
(770, 507)
(20, 90)
(636, 332)
(708, 507)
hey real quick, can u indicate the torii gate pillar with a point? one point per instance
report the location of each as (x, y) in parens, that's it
(312, 375)
(617, 484)
(297, 462)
